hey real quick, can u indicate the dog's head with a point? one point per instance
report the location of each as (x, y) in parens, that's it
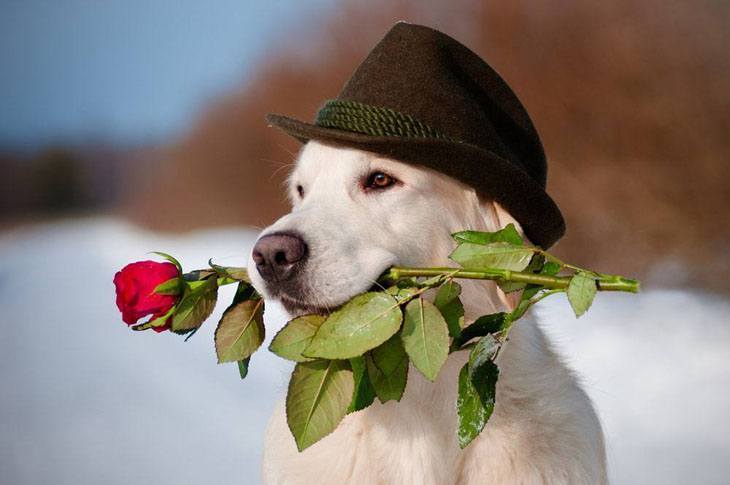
(354, 215)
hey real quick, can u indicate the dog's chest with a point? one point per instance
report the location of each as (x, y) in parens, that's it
(543, 426)
(411, 441)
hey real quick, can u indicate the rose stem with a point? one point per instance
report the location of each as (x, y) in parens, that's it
(604, 282)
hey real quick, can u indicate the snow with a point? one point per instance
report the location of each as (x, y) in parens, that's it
(85, 400)
(657, 365)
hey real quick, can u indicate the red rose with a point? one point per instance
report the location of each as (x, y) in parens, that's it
(136, 297)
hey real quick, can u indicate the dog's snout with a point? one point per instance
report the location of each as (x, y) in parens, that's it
(277, 255)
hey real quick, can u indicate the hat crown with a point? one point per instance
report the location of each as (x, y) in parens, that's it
(430, 76)
(422, 97)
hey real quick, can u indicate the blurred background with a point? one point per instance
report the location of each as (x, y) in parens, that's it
(130, 126)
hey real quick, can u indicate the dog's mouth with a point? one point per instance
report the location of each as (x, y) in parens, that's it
(297, 305)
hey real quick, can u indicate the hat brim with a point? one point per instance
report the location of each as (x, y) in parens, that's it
(491, 175)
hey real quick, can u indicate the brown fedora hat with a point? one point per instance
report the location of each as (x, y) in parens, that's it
(424, 98)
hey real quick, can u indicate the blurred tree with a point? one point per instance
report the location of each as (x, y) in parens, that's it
(56, 177)
(630, 99)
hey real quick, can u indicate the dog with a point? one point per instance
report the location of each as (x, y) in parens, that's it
(354, 215)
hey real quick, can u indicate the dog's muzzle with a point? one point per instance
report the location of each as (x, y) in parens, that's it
(278, 256)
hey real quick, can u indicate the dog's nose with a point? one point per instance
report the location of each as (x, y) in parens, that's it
(276, 255)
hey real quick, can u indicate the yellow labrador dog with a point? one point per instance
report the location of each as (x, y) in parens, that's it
(354, 215)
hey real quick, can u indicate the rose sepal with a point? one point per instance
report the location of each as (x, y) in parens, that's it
(170, 259)
(173, 286)
(160, 321)
(230, 273)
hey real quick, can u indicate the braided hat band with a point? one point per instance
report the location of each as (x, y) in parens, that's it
(372, 120)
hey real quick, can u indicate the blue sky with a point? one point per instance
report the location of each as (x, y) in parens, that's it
(128, 71)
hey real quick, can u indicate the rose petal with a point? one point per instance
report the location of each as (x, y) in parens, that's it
(135, 285)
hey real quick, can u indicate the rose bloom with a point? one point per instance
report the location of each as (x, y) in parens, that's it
(136, 297)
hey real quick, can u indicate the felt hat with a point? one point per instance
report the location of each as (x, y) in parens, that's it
(422, 97)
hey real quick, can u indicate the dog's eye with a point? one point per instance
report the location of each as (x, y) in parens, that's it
(300, 191)
(379, 180)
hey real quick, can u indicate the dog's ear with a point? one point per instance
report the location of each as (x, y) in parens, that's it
(506, 218)
(496, 217)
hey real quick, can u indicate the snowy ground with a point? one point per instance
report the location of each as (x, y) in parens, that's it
(84, 401)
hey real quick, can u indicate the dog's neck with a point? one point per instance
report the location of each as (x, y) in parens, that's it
(482, 298)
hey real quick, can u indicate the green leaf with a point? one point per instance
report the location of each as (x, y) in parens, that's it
(232, 272)
(295, 337)
(483, 325)
(173, 286)
(434, 281)
(364, 394)
(448, 302)
(471, 413)
(244, 291)
(401, 284)
(243, 367)
(484, 379)
(550, 268)
(240, 331)
(537, 263)
(508, 235)
(425, 337)
(475, 402)
(195, 306)
(402, 294)
(510, 286)
(482, 353)
(189, 334)
(169, 258)
(198, 275)
(388, 369)
(362, 324)
(522, 306)
(498, 255)
(581, 291)
(317, 400)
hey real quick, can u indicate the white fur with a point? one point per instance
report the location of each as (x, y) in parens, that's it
(544, 428)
